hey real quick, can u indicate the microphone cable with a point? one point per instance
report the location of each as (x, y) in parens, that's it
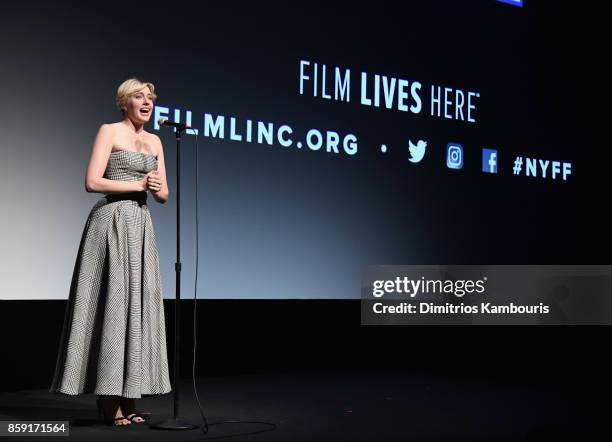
(205, 425)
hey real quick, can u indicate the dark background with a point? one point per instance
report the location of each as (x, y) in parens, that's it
(538, 71)
(287, 223)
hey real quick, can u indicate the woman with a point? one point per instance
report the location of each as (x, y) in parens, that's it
(113, 342)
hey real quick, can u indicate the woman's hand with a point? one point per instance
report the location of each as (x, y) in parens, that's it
(153, 181)
(142, 183)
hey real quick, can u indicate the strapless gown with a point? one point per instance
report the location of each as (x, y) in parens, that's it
(114, 339)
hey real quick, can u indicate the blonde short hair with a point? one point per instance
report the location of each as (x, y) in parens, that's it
(130, 87)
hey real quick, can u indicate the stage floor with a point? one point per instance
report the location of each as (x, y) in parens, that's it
(313, 406)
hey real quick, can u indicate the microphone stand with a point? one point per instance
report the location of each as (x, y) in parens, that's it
(176, 422)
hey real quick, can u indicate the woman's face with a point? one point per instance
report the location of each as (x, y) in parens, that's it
(140, 105)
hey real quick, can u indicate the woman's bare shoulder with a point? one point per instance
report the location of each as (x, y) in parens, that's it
(116, 125)
(112, 127)
(155, 141)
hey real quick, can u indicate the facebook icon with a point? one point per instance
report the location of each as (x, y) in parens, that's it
(489, 160)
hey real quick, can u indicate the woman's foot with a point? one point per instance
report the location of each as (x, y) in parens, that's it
(135, 418)
(118, 416)
(110, 411)
(129, 408)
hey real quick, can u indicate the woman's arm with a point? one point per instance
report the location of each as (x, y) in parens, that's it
(161, 196)
(94, 181)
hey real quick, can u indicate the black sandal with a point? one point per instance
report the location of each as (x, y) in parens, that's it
(129, 409)
(119, 418)
(131, 417)
(107, 409)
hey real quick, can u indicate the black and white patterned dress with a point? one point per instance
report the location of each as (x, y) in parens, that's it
(114, 338)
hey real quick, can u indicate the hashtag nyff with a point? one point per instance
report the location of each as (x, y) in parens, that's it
(538, 168)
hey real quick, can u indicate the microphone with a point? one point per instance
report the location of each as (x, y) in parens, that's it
(178, 126)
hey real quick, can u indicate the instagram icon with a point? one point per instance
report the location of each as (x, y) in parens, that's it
(454, 156)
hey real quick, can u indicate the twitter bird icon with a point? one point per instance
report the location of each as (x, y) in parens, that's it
(416, 152)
